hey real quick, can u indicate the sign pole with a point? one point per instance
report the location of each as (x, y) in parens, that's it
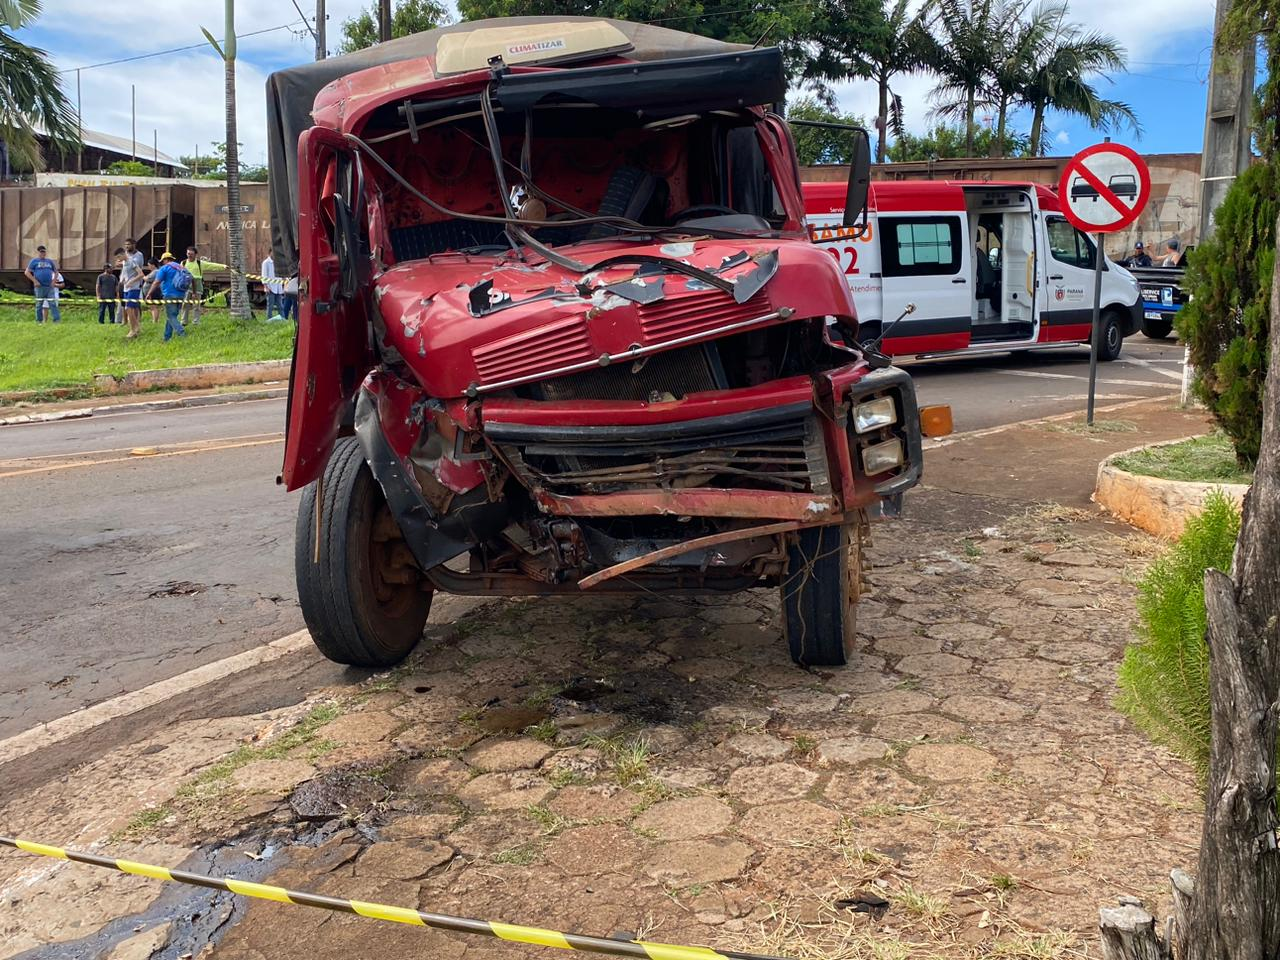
(1097, 323)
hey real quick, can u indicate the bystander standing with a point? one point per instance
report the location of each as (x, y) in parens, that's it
(289, 299)
(196, 265)
(274, 288)
(42, 271)
(106, 290)
(173, 283)
(131, 280)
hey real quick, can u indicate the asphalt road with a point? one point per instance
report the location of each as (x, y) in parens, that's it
(118, 570)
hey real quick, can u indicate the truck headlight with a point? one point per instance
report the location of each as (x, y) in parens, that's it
(874, 414)
(882, 457)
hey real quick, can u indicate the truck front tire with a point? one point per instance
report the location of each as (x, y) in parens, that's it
(351, 568)
(820, 593)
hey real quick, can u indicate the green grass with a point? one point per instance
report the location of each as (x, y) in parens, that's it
(211, 783)
(68, 354)
(1099, 426)
(1209, 459)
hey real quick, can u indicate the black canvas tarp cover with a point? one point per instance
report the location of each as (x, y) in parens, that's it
(291, 94)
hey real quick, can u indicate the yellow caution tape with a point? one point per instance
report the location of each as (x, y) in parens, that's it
(511, 933)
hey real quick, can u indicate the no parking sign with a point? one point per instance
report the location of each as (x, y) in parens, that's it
(1104, 188)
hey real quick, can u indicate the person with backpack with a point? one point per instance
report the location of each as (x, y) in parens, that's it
(174, 283)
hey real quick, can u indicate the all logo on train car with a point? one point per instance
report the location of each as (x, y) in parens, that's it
(1104, 188)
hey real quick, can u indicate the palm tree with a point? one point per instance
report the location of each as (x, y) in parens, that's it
(1057, 78)
(31, 102)
(964, 37)
(849, 40)
(235, 217)
(1018, 42)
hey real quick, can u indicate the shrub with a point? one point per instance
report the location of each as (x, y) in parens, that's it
(1226, 324)
(1164, 679)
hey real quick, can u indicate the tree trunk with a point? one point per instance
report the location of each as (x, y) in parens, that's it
(969, 110)
(1037, 130)
(1235, 906)
(1129, 933)
(884, 117)
(997, 142)
(235, 218)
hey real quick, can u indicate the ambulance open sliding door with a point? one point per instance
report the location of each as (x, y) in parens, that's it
(1018, 269)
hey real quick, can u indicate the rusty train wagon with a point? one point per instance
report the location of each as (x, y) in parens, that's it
(82, 225)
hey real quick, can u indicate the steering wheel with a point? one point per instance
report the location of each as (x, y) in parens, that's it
(702, 209)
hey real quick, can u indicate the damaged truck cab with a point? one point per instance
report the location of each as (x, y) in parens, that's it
(561, 329)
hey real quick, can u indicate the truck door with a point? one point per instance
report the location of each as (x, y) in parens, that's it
(926, 259)
(331, 352)
(1067, 308)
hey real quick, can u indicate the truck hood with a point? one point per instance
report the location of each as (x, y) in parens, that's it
(474, 324)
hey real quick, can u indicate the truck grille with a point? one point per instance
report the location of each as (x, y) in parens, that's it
(696, 313)
(546, 347)
(786, 454)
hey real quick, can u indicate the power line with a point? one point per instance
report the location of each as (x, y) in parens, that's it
(193, 46)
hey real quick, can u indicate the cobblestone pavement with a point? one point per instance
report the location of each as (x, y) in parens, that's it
(656, 765)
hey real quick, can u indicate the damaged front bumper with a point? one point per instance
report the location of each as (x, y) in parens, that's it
(788, 453)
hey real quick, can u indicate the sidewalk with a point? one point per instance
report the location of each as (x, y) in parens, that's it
(657, 765)
(151, 400)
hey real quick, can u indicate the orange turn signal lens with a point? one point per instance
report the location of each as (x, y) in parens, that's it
(935, 420)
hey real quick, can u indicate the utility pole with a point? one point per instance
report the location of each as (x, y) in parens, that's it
(80, 126)
(1226, 122)
(384, 20)
(321, 52)
(133, 120)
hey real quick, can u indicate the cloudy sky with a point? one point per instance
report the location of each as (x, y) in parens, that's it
(180, 94)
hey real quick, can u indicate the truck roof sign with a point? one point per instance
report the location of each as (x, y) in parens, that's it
(1104, 188)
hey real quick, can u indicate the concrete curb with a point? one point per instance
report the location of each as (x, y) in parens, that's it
(1159, 506)
(193, 378)
(171, 403)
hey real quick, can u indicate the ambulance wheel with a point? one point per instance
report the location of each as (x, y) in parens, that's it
(357, 585)
(1156, 329)
(1112, 337)
(820, 593)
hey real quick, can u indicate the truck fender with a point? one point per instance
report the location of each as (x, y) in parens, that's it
(432, 536)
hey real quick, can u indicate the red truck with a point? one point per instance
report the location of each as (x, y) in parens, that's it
(561, 328)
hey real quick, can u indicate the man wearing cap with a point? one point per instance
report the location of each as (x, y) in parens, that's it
(42, 271)
(1139, 258)
(173, 284)
(196, 265)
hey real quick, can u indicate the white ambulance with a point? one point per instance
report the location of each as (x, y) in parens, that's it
(989, 266)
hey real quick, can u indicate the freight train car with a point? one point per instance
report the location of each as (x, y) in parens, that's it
(81, 226)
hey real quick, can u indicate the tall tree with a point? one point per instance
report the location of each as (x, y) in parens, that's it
(963, 43)
(872, 39)
(31, 101)
(235, 217)
(1016, 46)
(816, 144)
(1235, 908)
(1059, 77)
(409, 16)
(944, 142)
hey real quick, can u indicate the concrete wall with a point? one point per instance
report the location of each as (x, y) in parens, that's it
(1172, 211)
